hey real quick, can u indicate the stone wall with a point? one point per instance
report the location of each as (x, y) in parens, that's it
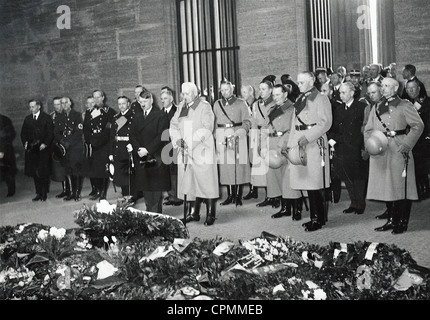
(272, 38)
(112, 45)
(413, 37)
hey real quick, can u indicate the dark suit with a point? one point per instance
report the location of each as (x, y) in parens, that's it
(421, 150)
(348, 162)
(173, 167)
(38, 163)
(151, 179)
(8, 168)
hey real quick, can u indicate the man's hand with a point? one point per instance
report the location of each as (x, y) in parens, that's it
(142, 152)
(42, 146)
(129, 148)
(303, 141)
(1, 155)
(110, 157)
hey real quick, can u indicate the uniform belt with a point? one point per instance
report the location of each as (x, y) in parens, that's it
(305, 126)
(119, 138)
(276, 134)
(230, 125)
(394, 133)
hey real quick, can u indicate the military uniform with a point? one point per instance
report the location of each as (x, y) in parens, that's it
(197, 168)
(38, 162)
(97, 126)
(312, 119)
(69, 132)
(278, 180)
(402, 125)
(259, 168)
(232, 119)
(58, 173)
(124, 166)
(8, 168)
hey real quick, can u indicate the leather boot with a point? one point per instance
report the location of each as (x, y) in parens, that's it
(313, 207)
(405, 211)
(105, 186)
(267, 202)
(93, 187)
(297, 209)
(253, 193)
(79, 182)
(231, 192)
(98, 185)
(285, 209)
(393, 218)
(66, 189)
(73, 193)
(313, 226)
(276, 202)
(210, 215)
(388, 212)
(193, 211)
(239, 192)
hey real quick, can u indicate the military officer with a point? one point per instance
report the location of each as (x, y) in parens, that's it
(259, 119)
(135, 106)
(69, 134)
(191, 131)
(355, 78)
(97, 133)
(336, 80)
(232, 122)
(311, 121)
(124, 167)
(392, 173)
(37, 134)
(409, 73)
(278, 179)
(86, 116)
(58, 172)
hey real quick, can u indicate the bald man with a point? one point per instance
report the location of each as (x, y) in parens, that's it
(392, 173)
(311, 121)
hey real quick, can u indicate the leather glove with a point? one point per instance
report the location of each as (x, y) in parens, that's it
(110, 157)
(129, 148)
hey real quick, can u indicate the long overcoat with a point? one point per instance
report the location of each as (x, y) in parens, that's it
(58, 172)
(38, 163)
(7, 135)
(347, 132)
(386, 179)
(421, 150)
(259, 118)
(197, 171)
(234, 166)
(147, 133)
(278, 128)
(317, 113)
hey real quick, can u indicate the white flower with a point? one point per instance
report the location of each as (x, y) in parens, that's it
(43, 234)
(311, 285)
(306, 294)
(114, 239)
(319, 294)
(104, 207)
(21, 283)
(106, 239)
(3, 276)
(57, 233)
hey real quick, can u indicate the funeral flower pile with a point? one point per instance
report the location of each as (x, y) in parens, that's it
(120, 253)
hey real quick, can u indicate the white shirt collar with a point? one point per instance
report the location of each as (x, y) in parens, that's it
(37, 114)
(168, 108)
(147, 111)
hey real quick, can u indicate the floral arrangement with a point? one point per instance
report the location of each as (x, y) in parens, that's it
(41, 262)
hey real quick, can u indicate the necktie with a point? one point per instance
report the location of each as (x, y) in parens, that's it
(145, 114)
(34, 117)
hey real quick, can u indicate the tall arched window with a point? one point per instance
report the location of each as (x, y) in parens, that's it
(208, 46)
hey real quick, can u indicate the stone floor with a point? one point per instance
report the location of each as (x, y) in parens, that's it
(241, 223)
